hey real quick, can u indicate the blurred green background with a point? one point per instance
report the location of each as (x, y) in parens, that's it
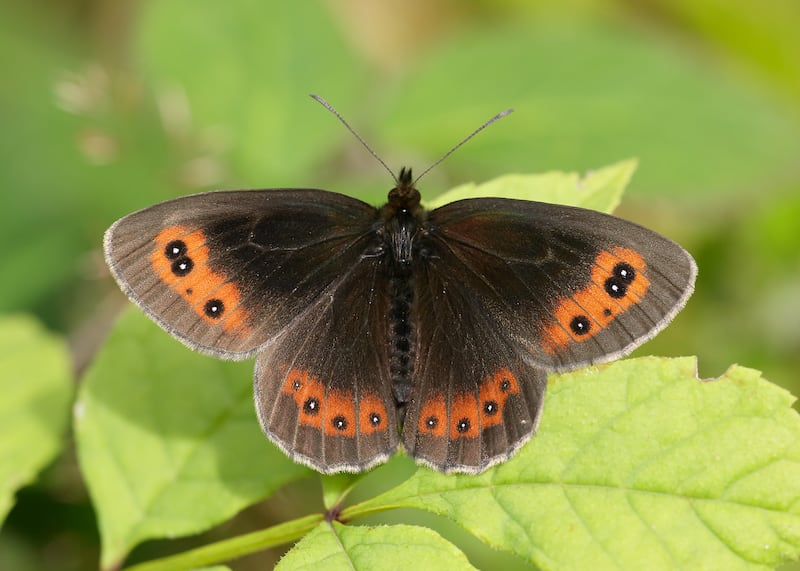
(109, 106)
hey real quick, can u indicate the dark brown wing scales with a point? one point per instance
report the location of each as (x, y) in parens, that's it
(323, 388)
(475, 399)
(571, 286)
(284, 273)
(225, 271)
(505, 290)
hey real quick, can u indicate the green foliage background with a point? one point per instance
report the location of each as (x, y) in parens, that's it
(110, 106)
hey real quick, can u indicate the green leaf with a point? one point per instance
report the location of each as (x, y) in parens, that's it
(336, 487)
(599, 190)
(36, 384)
(336, 546)
(168, 439)
(637, 464)
(245, 68)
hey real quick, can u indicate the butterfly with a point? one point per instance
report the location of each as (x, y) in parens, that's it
(375, 328)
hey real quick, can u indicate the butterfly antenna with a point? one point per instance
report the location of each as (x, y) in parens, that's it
(330, 108)
(464, 140)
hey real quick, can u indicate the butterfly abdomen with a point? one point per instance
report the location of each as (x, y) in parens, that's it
(401, 338)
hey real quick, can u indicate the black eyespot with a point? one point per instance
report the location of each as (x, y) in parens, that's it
(490, 408)
(463, 425)
(175, 249)
(432, 422)
(214, 308)
(296, 385)
(505, 385)
(374, 419)
(311, 406)
(607, 312)
(580, 325)
(615, 287)
(182, 266)
(339, 422)
(189, 291)
(625, 272)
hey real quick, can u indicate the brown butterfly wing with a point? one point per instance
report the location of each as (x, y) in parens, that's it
(323, 388)
(476, 399)
(226, 272)
(506, 290)
(570, 286)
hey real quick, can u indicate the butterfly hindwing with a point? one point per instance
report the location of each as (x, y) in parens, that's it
(475, 401)
(323, 388)
(224, 272)
(570, 286)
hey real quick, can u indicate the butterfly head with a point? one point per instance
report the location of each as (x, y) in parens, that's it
(404, 196)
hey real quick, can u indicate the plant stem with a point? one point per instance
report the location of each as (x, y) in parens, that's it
(233, 548)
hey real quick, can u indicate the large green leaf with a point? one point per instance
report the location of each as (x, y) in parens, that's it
(168, 439)
(333, 546)
(598, 190)
(637, 464)
(36, 384)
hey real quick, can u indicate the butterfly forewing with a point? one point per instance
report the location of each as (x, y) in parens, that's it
(570, 286)
(225, 272)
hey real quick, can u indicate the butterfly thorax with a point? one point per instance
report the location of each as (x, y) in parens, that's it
(402, 215)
